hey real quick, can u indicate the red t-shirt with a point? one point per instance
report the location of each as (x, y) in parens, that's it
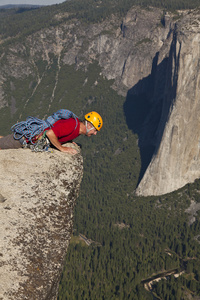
(66, 130)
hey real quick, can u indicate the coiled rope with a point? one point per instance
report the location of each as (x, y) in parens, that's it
(34, 126)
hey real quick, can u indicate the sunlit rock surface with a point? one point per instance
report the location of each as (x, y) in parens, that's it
(176, 160)
(38, 192)
(150, 55)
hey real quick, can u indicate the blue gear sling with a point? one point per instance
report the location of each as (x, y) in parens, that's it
(34, 126)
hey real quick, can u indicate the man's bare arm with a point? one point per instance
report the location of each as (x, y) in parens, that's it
(54, 140)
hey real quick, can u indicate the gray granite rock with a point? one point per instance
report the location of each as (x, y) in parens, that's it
(38, 192)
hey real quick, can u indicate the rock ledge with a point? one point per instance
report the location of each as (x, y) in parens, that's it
(37, 196)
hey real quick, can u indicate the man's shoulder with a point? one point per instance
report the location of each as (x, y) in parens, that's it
(70, 121)
(65, 127)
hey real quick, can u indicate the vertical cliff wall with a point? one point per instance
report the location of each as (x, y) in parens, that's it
(176, 160)
(153, 60)
(38, 192)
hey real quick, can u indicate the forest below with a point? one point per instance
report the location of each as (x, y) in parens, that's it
(133, 238)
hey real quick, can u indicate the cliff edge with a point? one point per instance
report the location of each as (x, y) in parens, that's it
(176, 159)
(37, 196)
(152, 58)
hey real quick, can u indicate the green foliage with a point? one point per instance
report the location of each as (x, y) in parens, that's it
(16, 24)
(147, 40)
(120, 259)
(156, 235)
(156, 238)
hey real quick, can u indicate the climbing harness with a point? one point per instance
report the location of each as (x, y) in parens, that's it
(33, 127)
(42, 144)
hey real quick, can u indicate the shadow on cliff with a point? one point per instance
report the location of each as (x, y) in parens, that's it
(136, 109)
(148, 105)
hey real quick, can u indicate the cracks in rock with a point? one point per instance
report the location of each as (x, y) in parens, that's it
(124, 66)
(39, 79)
(59, 49)
(123, 69)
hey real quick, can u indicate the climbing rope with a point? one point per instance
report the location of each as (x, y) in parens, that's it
(34, 126)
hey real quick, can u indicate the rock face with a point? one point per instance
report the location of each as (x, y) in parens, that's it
(37, 196)
(153, 60)
(123, 48)
(176, 160)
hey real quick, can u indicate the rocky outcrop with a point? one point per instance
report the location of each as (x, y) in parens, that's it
(176, 160)
(124, 48)
(38, 192)
(152, 58)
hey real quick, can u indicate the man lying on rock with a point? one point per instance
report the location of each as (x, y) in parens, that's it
(63, 126)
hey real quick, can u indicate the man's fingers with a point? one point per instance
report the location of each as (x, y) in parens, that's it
(73, 151)
(69, 150)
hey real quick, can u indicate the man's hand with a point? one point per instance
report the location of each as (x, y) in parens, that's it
(54, 141)
(69, 150)
(75, 144)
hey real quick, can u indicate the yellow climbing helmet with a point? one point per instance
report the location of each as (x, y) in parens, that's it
(94, 118)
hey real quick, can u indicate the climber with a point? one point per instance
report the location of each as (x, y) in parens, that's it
(58, 133)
